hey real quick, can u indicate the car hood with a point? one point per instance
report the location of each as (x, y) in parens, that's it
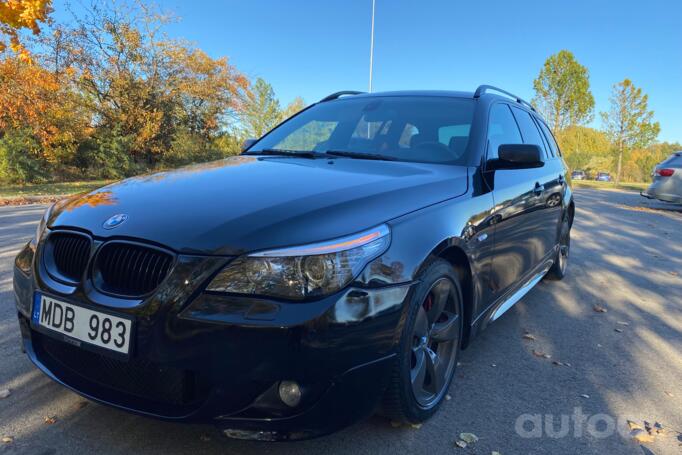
(248, 203)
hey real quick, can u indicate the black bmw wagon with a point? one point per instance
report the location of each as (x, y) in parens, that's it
(334, 269)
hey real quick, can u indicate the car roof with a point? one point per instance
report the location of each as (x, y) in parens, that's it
(486, 97)
(437, 93)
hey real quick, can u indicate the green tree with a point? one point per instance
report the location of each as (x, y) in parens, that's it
(629, 122)
(21, 160)
(562, 92)
(581, 144)
(261, 110)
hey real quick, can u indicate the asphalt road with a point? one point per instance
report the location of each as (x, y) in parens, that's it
(626, 258)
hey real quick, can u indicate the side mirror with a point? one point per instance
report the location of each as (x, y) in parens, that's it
(247, 144)
(517, 156)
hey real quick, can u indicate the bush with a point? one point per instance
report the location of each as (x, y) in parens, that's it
(107, 156)
(188, 148)
(21, 160)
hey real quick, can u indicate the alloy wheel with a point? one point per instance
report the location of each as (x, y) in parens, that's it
(435, 342)
(564, 247)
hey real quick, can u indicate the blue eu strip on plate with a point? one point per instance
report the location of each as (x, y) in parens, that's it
(36, 308)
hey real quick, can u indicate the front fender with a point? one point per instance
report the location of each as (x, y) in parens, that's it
(464, 223)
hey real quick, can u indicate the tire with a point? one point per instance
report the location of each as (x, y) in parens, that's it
(558, 269)
(420, 381)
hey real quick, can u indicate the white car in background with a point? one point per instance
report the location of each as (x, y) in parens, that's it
(667, 184)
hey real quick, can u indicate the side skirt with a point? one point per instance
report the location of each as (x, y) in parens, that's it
(505, 302)
(518, 295)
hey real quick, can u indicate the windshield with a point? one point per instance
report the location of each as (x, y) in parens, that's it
(405, 128)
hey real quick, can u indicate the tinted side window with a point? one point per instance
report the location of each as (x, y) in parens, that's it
(672, 160)
(552, 143)
(529, 131)
(502, 129)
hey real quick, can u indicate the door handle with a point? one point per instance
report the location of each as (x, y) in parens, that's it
(538, 188)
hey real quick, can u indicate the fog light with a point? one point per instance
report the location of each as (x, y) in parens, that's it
(290, 393)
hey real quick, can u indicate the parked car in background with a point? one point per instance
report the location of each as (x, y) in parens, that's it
(667, 184)
(603, 177)
(381, 234)
(578, 175)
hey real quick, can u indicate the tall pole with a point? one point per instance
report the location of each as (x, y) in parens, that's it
(371, 48)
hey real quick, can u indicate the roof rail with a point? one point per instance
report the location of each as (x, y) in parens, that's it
(484, 88)
(336, 95)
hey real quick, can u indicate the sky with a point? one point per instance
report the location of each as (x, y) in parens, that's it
(313, 48)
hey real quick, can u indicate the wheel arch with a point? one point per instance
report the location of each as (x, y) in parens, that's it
(453, 252)
(571, 212)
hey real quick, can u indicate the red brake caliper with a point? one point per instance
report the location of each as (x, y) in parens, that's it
(428, 303)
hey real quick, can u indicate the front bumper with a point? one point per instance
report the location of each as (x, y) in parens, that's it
(208, 359)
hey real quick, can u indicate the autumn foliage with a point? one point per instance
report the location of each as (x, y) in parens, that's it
(22, 14)
(108, 94)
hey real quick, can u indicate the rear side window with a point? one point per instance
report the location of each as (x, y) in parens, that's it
(552, 143)
(673, 160)
(529, 131)
(502, 129)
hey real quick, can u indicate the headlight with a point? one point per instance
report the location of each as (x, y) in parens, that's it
(42, 223)
(303, 272)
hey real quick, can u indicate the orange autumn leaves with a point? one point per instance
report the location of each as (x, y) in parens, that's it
(107, 94)
(22, 14)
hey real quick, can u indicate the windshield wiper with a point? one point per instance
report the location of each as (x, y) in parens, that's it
(285, 152)
(360, 155)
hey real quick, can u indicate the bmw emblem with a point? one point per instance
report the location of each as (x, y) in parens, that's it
(115, 221)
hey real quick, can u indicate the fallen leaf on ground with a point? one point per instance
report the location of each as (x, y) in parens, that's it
(493, 365)
(461, 444)
(416, 426)
(561, 364)
(541, 354)
(618, 330)
(49, 420)
(659, 428)
(633, 425)
(528, 337)
(448, 397)
(599, 309)
(670, 394)
(622, 323)
(584, 395)
(4, 393)
(641, 436)
(469, 438)
(7, 439)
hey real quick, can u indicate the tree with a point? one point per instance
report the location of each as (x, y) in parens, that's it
(562, 92)
(629, 123)
(292, 108)
(261, 111)
(580, 145)
(22, 14)
(143, 85)
(34, 102)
